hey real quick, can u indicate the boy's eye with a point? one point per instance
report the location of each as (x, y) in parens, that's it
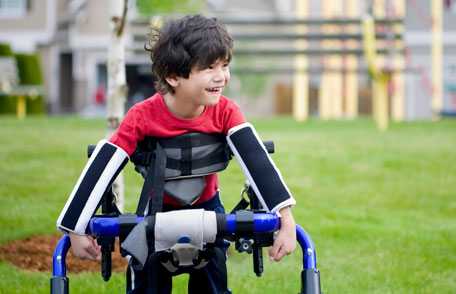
(212, 66)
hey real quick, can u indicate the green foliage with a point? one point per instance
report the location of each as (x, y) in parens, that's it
(34, 105)
(29, 70)
(5, 50)
(154, 7)
(380, 207)
(30, 74)
(7, 104)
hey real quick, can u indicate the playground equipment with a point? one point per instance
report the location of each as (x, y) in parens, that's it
(380, 77)
(331, 44)
(339, 42)
(324, 45)
(250, 229)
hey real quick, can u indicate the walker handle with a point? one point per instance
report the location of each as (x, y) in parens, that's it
(263, 222)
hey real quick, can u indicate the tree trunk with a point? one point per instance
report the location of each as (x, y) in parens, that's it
(117, 84)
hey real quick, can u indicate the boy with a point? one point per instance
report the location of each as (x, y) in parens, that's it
(190, 62)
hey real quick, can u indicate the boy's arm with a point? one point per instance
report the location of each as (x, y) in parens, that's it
(267, 183)
(261, 172)
(104, 165)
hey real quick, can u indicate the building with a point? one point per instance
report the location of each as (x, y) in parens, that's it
(72, 37)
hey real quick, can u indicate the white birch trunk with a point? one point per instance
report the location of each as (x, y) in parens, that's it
(117, 84)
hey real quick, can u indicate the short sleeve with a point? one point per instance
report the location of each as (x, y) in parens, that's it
(130, 131)
(233, 116)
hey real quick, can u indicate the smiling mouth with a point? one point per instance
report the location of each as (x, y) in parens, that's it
(215, 90)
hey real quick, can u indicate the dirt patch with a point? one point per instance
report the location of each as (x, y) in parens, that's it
(35, 254)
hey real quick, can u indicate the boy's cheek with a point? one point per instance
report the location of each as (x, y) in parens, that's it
(227, 78)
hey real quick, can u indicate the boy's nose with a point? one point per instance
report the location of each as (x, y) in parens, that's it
(221, 75)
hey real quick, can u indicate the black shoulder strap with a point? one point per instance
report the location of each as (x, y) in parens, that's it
(153, 188)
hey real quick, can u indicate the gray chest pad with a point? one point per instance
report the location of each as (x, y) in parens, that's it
(185, 190)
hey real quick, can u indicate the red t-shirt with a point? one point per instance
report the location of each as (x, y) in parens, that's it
(152, 118)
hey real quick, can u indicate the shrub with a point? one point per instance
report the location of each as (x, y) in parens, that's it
(29, 71)
(5, 50)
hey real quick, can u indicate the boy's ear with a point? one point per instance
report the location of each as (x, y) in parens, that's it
(172, 80)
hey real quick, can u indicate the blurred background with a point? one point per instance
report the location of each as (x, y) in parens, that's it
(291, 57)
(380, 206)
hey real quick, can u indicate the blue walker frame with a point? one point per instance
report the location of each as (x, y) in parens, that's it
(262, 223)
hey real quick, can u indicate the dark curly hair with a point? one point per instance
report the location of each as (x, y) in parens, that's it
(185, 43)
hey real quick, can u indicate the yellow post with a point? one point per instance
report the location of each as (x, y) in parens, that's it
(398, 94)
(380, 79)
(21, 107)
(331, 85)
(437, 59)
(351, 78)
(381, 62)
(301, 79)
(380, 88)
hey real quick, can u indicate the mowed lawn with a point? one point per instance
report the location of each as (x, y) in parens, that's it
(380, 207)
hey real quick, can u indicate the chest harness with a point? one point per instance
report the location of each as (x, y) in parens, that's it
(177, 167)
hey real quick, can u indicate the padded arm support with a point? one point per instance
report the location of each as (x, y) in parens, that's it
(104, 165)
(261, 172)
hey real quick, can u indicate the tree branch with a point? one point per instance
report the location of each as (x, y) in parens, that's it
(121, 27)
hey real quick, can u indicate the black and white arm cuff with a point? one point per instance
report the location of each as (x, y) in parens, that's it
(261, 172)
(104, 165)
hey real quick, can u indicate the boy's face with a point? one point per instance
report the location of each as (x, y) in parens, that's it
(203, 87)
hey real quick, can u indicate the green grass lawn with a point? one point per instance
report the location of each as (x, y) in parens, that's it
(380, 207)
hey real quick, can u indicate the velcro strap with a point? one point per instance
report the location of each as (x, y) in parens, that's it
(152, 191)
(191, 140)
(126, 224)
(186, 164)
(242, 204)
(244, 221)
(156, 201)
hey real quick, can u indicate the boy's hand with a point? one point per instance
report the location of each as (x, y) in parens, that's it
(285, 241)
(85, 247)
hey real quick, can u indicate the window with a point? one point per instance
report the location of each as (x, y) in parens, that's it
(13, 8)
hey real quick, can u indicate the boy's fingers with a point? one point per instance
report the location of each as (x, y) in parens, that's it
(97, 249)
(92, 252)
(96, 246)
(94, 241)
(273, 251)
(281, 253)
(277, 255)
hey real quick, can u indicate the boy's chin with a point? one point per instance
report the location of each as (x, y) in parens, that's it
(212, 100)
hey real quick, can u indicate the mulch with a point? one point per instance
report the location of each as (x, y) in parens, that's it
(35, 254)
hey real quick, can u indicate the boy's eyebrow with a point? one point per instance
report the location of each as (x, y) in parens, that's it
(224, 60)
